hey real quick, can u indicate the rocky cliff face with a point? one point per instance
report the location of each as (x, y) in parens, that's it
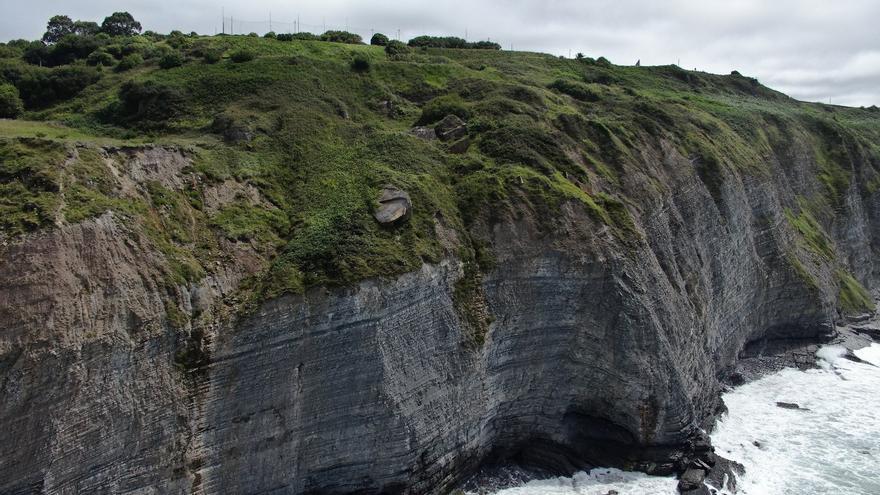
(592, 348)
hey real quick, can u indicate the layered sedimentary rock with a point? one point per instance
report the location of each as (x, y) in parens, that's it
(593, 348)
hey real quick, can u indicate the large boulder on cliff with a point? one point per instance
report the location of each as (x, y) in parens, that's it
(450, 128)
(393, 206)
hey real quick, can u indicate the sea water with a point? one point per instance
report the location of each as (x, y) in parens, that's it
(830, 445)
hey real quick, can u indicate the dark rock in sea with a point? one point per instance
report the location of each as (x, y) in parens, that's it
(393, 206)
(724, 474)
(787, 405)
(450, 127)
(691, 481)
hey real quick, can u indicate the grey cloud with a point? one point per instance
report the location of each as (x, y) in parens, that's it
(810, 49)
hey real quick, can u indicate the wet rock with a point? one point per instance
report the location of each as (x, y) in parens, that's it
(691, 480)
(460, 146)
(424, 132)
(450, 128)
(394, 206)
(724, 473)
(787, 405)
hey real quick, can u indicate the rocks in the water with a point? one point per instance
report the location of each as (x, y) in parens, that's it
(788, 405)
(394, 205)
(691, 480)
(450, 128)
(424, 132)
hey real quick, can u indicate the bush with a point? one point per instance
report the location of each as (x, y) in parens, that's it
(575, 90)
(100, 57)
(11, 105)
(129, 62)
(212, 56)
(360, 63)
(40, 87)
(171, 60)
(451, 42)
(442, 106)
(241, 56)
(379, 39)
(342, 37)
(149, 103)
(270, 35)
(302, 36)
(396, 49)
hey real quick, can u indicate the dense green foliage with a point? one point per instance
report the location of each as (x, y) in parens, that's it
(379, 39)
(10, 102)
(451, 42)
(315, 127)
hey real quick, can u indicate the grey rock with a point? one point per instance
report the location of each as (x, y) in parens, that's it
(393, 206)
(597, 349)
(690, 480)
(460, 146)
(450, 128)
(787, 405)
(423, 132)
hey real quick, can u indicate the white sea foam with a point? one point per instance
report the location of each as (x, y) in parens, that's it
(598, 482)
(829, 446)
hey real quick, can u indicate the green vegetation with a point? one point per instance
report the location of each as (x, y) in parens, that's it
(11, 105)
(853, 298)
(812, 234)
(297, 133)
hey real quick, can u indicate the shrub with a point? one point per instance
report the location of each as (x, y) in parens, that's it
(40, 87)
(360, 63)
(485, 45)
(451, 42)
(11, 105)
(302, 36)
(149, 103)
(379, 39)
(212, 56)
(576, 90)
(171, 60)
(241, 56)
(100, 57)
(270, 35)
(129, 62)
(442, 106)
(342, 37)
(396, 49)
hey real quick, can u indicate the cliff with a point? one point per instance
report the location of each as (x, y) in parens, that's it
(223, 314)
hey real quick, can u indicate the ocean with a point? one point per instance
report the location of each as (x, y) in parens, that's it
(829, 445)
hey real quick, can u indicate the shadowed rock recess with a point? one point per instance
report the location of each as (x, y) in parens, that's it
(146, 343)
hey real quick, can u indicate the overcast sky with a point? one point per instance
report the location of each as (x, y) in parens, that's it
(817, 50)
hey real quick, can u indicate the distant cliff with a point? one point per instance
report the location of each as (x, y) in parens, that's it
(586, 250)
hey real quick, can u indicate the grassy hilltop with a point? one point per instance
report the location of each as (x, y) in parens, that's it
(318, 127)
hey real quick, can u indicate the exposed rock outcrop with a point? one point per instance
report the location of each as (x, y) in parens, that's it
(599, 349)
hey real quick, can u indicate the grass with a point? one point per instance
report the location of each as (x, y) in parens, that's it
(323, 136)
(852, 296)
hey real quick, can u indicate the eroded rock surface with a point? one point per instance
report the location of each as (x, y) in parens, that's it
(599, 349)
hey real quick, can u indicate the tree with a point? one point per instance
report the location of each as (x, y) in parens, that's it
(58, 27)
(10, 103)
(86, 28)
(120, 24)
(379, 39)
